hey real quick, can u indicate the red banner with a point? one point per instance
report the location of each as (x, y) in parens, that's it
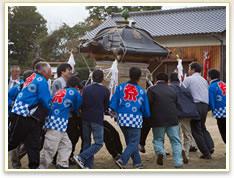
(206, 66)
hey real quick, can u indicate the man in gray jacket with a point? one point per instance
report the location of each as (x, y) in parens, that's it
(64, 72)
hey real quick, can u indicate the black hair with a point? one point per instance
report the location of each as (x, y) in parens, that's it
(134, 73)
(98, 76)
(35, 61)
(76, 74)
(83, 82)
(174, 77)
(196, 66)
(80, 86)
(73, 82)
(162, 76)
(62, 68)
(213, 74)
(27, 74)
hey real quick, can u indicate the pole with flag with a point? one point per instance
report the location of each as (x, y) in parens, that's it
(71, 61)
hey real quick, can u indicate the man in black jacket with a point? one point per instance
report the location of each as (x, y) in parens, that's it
(162, 100)
(186, 111)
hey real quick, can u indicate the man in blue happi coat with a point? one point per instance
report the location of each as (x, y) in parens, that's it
(32, 101)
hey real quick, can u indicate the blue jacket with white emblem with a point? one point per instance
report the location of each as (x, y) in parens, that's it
(35, 90)
(217, 98)
(131, 104)
(12, 94)
(62, 102)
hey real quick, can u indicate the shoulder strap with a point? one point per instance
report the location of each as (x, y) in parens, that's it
(21, 86)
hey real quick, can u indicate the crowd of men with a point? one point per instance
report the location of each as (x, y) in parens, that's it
(46, 120)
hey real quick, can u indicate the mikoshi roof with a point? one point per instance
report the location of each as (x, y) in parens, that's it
(195, 20)
(126, 40)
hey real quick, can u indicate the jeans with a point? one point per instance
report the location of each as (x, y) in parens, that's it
(132, 139)
(89, 150)
(173, 134)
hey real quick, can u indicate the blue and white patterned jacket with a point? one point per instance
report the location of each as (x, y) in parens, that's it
(131, 104)
(12, 94)
(35, 90)
(61, 104)
(217, 98)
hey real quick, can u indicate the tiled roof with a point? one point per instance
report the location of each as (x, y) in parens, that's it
(209, 19)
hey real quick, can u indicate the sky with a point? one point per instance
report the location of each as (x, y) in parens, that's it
(56, 15)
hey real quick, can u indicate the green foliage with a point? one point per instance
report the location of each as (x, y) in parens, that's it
(142, 8)
(25, 27)
(81, 67)
(100, 13)
(56, 47)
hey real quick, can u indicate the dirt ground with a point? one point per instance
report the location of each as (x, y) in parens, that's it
(103, 159)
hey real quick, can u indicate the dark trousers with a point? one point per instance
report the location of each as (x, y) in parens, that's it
(145, 130)
(74, 131)
(112, 139)
(26, 130)
(201, 135)
(221, 122)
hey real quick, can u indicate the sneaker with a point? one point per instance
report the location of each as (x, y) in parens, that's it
(119, 164)
(139, 166)
(192, 149)
(54, 162)
(180, 166)
(141, 148)
(78, 160)
(58, 166)
(15, 166)
(205, 157)
(160, 159)
(185, 159)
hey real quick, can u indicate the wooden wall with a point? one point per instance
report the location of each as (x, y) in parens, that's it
(197, 52)
(123, 69)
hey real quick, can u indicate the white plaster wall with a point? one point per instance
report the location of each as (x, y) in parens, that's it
(190, 40)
